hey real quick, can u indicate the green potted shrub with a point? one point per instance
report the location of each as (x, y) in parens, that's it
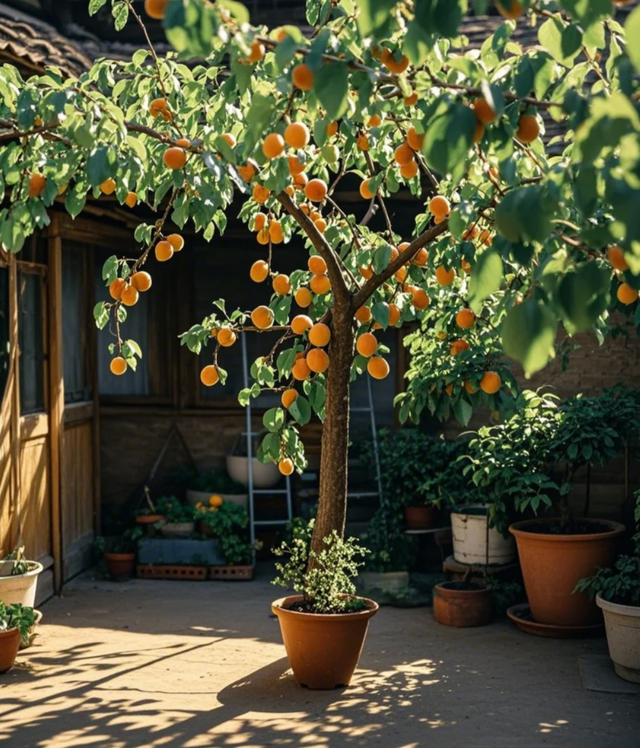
(119, 553)
(16, 623)
(617, 594)
(227, 521)
(179, 518)
(19, 579)
(202, 488)
(391, 554)
(323, 627)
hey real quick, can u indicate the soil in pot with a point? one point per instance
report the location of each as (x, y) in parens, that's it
(420, 517)
(121, 566)
(9, 645)
(323, 648)
(553, 562)
(462, 604)
(622, 624)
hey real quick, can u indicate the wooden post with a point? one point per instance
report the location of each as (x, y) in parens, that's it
(95, 388)
(56, 393)
(14, 384)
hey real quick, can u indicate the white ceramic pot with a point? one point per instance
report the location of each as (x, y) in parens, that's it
(469, 530)
(264, 476)
(21, 588)
(622, 623)
(390, 581)
(202, 497)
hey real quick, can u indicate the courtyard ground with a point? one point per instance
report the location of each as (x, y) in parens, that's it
(193, 664)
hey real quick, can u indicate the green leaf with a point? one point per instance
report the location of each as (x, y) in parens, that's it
(101, 315)
(273, 420)
(528, 335)
(523, 215)
(632, 29)
(374, 16)
(485, 279)
(381, 258)
(448, 138)
(238, 11)
(331, 86)
(95, 5)
(300, 410)
(462, 410)
(380, 312)
(583, 295)
(110, 269)
(121, 15)
(101, 165)
(562, 41)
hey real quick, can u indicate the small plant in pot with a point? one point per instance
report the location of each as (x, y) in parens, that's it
(149, 516)
(16, 624)
(180, 519)
(227, 522)
(391, 555)
(200, 488)
(119, 553)
(617, 594)
(19, 579)
(323, 627)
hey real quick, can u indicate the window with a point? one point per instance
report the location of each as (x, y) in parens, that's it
(75, 333)
(31, 309)
(4, 329)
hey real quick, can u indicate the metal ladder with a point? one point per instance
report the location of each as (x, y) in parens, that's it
(374, 437)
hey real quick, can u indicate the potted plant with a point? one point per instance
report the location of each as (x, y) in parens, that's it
(617, 594)
(179, 519)
(19, 579)
(120, 553)
(265, 474)
(391, 555)
(325, 626)
(149, 517)
(201, 488)
(227, 522)
(463, 604)
(16, 623)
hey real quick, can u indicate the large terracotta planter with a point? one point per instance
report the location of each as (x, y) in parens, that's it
(474, 542)
(323, 649)
(21, 588)
(420, 517)
(553, 564)
(463, 608)
(622, 623)
(9, 645)
(121, 566)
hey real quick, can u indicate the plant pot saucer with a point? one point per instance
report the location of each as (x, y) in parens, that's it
(521, 616)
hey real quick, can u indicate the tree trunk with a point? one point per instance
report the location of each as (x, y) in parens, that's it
(332, 504)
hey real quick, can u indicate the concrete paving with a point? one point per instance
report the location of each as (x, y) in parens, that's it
(193, 664)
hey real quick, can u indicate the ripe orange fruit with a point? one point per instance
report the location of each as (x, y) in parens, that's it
(319, 335)
(363, 315)
(401, 274)
(209, 376)
(365, 192)
(366, 272)
(297, 135)
(449, 389)
(465, 319)
(394, 315)
(257, 51)
(302, 77)
(247, 172)
(259, 221)
(141, 281)
(470, 388)
(281, 285)
(37, 183)
(367, 345)
(317, 265)
(363, 142)
(486, 238)
(118, 366)
(320, 284)
(509, 9)
(394, 66)
(528, 129)
(300, 181)
(616, 258)
(183, 143)
(275, 232)
(377, 367)
(420, 299)
(131, 200)
(285, 466)
(303, 297)
(176, 241)
(332, 129)
(374, 121)
(229, 139)
(155, 8)
(472, 232)
(403, 154)
(439, 206)
(410, 170)
(164, 251)
(626, 294)
(116, 288)
(316, 190)
(465, 266)
(260, 194)
(262, 317)
(320, 224)
(421, 258)
(157, 107)
(273, 145)
(289, 396)
(317, 360)
(490, 382)
(174, 158)
(259, 271)
(295, 165)
(226, 337)
(108, 187)
(485, 113)
(458, 346)
(411, 100)
(445, 277)
(129, 296)
(301, 323)
(300, 370)
(216, 501)
(263, 236)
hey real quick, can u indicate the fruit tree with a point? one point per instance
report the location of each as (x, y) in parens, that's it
(515, 233)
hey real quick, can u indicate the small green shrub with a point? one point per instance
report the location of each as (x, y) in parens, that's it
(228, 523)
(17, 616)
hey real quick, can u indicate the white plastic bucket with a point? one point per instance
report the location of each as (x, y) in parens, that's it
(470, 537)
(21, 588)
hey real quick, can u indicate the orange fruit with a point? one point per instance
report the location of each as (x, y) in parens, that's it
(470, 388)
(108, 187)
(445, 277)
(163, 251)
(226, 337)
(403, 154)
(449, 389)
(458, 346)
(289, 396)
(176, 241)
(300, 181)
(332, 129)
(216, 501)
(317, 360)
(320, 284)
(316, 190)
(260, 194)
(116, 288)
(363, 315)
(183, 143)
(377, 367)
(303, 297)
(616, 258)
(367, 344)
(301, 323)
(257, 51)
(365, 192)
(275, 232)
(247, 172)
(465, 266)
(321, 225)
(157, 107)
(262, 317)
(401, 275)
(394, 315)
(472, 232)
(229, 139)
(209, 376)
(490, 382)
(319, 335)
(439, 206)
(263, 236)
(485, 113)
(374, 121)
(421, 258)
(626, 294)
(131, 200)
(118, 366)
(259, 271)
(317, 265)
(465, 319)
(273, 145)
(141, 281)
(410, 170)
(129, 295)
(281, 285)
(363, 142)
(439, 219)
(420, 299)
(297, 135)
(411, 100)
(528, 129)
(259, 221)
(509, 9)
(302, 77)
(295, 165)
(366, 272)
(285, 466)
(300, 369)
(155, 8)
(486, 238)
(394, 66)
(174, 158)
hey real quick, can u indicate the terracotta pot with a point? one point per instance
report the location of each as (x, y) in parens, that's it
(149, 520)
(552, 565)
(121, 566)
(9, 645)
(420, 517)
(622, 623)
(323, 649)
(463, 608)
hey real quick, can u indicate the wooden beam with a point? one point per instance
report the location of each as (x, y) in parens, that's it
(92, 353)
(14, 384)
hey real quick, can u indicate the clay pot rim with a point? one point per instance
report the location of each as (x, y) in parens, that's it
(9, 632)
(280, 608)
(445, 591)
(120, 556)
(611, 607)
(519, 529)
(147, 519)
